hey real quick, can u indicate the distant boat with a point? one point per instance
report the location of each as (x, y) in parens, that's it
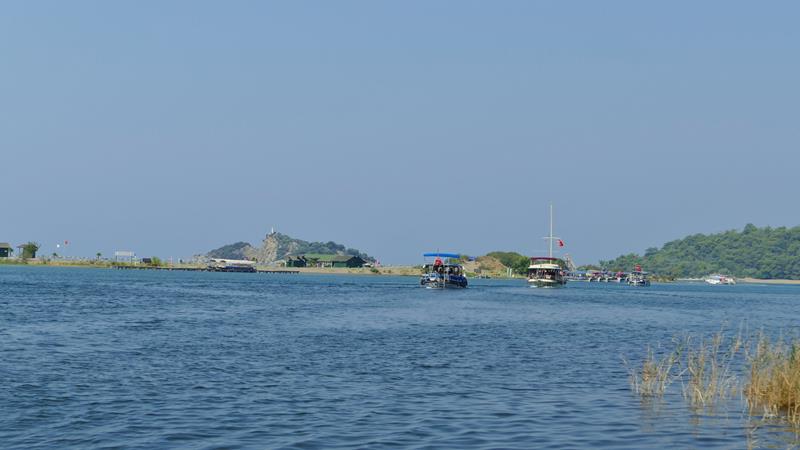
(548, 272)
(638, 277)
(442, 273)
(231, 265)
(717, 279)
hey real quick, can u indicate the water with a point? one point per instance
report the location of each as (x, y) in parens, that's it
(142, 359)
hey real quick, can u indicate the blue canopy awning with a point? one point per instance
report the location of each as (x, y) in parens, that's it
(442, 255)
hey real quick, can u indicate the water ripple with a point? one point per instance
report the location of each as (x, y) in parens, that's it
(100, 359)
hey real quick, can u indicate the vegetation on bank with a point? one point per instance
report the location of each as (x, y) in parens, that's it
(753, 252)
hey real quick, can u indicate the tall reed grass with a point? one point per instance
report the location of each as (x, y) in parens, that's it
(765, 373)
(710, 369)
(656, 373)
(773, 388)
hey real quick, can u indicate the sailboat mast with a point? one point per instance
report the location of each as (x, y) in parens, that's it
(551, 231)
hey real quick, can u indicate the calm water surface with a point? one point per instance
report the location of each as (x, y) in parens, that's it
(143, 359)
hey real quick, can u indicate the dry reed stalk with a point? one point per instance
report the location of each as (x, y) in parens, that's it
(655, 374)
(708, 366)
(774, 385)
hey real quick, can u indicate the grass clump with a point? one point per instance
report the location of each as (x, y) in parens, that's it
(656, 373)
(773, 388)
(764, 374)
(709, 369)
(705, 367)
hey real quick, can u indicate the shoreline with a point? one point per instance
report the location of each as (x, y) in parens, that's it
(406, 271)
(387, 270)
(767, 281)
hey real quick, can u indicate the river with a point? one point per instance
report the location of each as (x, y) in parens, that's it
(93, 358)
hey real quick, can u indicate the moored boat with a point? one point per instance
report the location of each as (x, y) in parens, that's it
(638, 277)
(231, 265)
(443, 273)
(718, 279)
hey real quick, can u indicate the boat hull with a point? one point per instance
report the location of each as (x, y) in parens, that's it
(546, 283)
(452, 282)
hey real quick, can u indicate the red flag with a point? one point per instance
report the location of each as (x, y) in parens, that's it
(560, 243)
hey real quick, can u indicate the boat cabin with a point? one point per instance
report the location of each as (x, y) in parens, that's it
(638, 278)
(546, 267)
(443, 274)
(453, 269)
(547, 272)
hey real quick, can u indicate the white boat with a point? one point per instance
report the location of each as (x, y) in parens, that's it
(548, 272)
(717, 279)
(638, 277)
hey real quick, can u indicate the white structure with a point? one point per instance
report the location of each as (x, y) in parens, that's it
(124, 255)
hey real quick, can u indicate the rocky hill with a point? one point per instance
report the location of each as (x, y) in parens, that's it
(238, 250)
(277, 246)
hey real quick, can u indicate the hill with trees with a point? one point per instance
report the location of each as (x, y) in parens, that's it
(753, 252)
(277, 246)
(518, 263)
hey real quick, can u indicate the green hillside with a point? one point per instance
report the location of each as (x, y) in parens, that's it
(753, 252)
(278, 246)
(519, 263)
(231, 251)
(291, 246)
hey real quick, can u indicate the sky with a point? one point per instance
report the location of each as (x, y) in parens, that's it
(172, 128)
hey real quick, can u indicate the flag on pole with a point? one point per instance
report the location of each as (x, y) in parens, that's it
(560, 243)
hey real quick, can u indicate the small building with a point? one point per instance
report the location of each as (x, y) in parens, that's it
(124, 256)
(5, 250)
(349, 261)
(296, 261)
(27, 252)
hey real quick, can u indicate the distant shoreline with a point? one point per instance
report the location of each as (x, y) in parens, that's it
(90, 264)
(760, 281)
(384, 270)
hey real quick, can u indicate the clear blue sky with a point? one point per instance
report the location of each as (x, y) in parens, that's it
(170, 128)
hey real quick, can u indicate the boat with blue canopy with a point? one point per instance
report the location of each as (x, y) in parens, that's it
(443, 273)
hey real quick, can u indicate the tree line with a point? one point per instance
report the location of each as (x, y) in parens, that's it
(753, 252)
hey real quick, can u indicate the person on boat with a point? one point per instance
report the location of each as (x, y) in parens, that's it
(438, 265)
